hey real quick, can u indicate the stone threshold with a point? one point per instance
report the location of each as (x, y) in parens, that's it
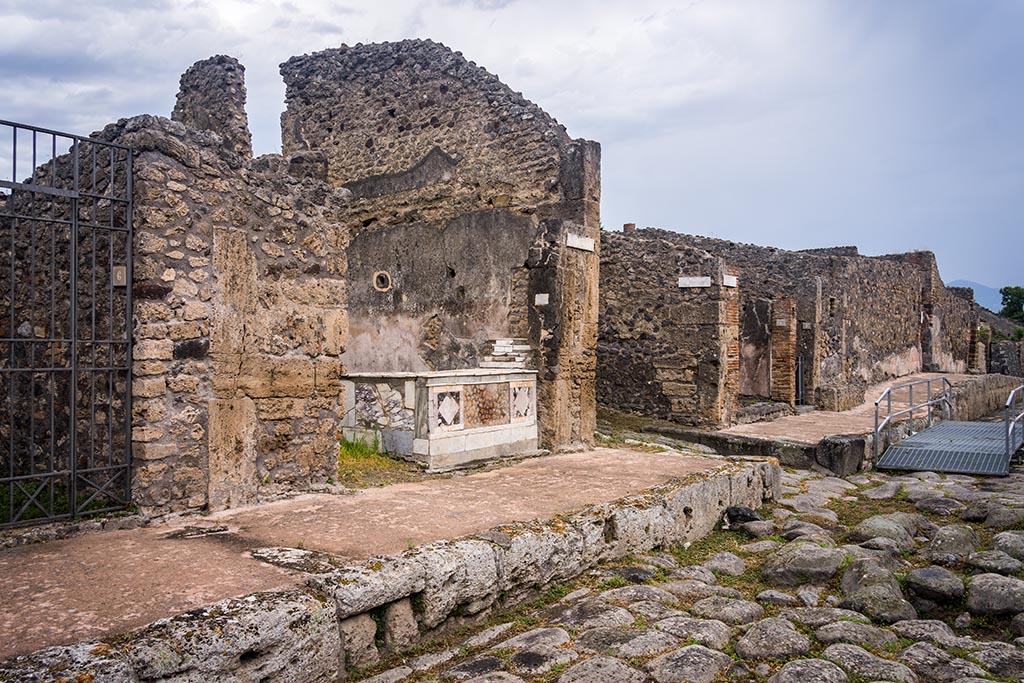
(308, 633)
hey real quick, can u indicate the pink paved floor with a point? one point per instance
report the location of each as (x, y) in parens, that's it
(812, 427)
(102, 583)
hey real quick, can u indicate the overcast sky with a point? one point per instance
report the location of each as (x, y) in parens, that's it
(890, 124)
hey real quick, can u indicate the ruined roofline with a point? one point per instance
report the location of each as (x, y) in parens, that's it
(822, 252)
(348, 62)
(618, 235)
(914, 253)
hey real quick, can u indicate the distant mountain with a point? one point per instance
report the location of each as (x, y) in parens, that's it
(988, 297)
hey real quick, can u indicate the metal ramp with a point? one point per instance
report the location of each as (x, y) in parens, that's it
(984, 448)
(955, 447)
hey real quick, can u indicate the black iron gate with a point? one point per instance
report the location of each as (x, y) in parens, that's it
(65, 336)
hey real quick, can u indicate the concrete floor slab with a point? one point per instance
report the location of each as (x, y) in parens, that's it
(103, 583)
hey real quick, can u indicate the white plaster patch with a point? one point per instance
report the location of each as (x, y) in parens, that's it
(700, 281)
(579, 242)
(730, 281)
(541, 299)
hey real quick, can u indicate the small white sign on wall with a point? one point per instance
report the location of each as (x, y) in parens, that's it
(782, 322)
(730, 281)
(579, 242)
(541, 299)
(700, 281)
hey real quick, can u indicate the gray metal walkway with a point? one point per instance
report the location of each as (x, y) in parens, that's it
(985, 448)
(955, 447)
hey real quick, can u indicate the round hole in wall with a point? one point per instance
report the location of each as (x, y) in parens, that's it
(382, 280)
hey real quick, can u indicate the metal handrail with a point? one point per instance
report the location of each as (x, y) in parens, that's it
(1012, 425)
(944, 399)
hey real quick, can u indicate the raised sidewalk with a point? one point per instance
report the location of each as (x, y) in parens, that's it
(105, 583)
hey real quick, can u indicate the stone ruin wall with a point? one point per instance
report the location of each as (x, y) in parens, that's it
(240, 310)
(242, 281)
(855, 320)
(858, 317)
(464, 194)
(244, 270)
(1007, 358)
(949, 331)
(663, 350)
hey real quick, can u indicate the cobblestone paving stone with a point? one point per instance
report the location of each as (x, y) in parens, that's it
(838, 584)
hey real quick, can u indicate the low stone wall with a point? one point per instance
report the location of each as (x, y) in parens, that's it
(982, 396)
(345, 618)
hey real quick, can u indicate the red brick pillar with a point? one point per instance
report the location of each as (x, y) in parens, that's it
(783, 347)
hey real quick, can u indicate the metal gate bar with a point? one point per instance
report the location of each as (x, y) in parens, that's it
(66, 204)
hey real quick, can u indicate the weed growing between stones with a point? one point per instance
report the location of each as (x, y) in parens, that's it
(361, 464)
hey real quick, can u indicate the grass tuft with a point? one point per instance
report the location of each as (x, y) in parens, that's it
(361, 464)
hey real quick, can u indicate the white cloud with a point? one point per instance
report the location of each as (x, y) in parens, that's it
(779, 121)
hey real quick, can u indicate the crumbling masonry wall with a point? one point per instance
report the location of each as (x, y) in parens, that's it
(666, 350)
(852, 320)
(240, 310)
(1007, 358)
(950, 322)
(474, 217)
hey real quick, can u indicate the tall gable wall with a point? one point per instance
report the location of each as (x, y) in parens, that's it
(468, 206)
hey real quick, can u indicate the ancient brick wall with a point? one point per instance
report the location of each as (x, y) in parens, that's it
(783, 351)
(240, 322)
(858, 318)
(950, 323)
(666, 350)
(469, 207)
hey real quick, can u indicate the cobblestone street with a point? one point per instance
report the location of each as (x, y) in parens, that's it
(908, 579)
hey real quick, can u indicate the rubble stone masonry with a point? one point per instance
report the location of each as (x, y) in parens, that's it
(851, 320)
(419, 202)
(664, 349)
(240, 309)
(474, 217)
